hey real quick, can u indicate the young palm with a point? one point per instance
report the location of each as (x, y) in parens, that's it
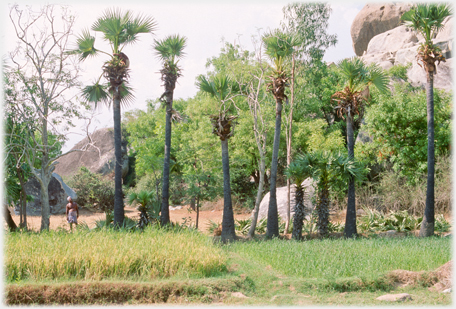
(170, 51)
(298, 170)
(351, 101)
(427, 19)
(119, 30)
(279, 47)
(221, 88)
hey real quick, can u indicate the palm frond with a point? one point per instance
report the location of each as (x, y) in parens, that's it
(126, 94)
(120, 28)
(86, 46)
(96, 93)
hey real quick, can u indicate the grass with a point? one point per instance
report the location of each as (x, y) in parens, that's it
(184, 267)
(89, 255)
(342, 258)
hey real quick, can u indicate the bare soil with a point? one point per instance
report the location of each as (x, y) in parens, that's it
(177, 214)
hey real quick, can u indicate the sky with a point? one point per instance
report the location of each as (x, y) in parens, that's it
(205, 24)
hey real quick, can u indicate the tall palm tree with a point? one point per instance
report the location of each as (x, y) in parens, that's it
(119, 30)
(279, 47)
(223, 89)
(351, 101)
(170, 51)
(427, 19)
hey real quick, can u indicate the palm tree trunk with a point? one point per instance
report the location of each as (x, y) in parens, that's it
(164, 216)
(323, 208)
(289, 132)
(298, 217)
(228, 232)
(427, 225)
(258, 198)
(119, 213)
(350, 219)
(273, 217)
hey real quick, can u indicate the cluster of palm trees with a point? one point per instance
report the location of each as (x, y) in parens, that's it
(121, 29)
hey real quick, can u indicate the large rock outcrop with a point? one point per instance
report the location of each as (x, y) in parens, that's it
(399, 46)
(373, 19)
(58, 193)
(98, 156)
(282, 200)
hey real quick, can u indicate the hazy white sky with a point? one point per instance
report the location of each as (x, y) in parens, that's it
(204, 23)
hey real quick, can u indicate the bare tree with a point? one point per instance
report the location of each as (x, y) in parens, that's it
(43, 74)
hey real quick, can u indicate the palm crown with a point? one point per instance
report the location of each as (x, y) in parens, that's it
(170, 51)
(119, 30)
(427, 19)
(279, 46)
(358, 77)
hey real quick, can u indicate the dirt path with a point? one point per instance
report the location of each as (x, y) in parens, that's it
(177, 214)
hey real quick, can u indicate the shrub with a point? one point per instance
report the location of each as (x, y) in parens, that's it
(93, 191)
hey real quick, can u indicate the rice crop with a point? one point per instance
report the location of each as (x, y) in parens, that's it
(345, 258)
(107, 254)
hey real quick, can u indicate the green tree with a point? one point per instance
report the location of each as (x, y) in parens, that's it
(119, 30)
(308, 22)
(223, 89)
(279, 47)
(427, 19)
(351, 101)
(397, 124)
(169, 50)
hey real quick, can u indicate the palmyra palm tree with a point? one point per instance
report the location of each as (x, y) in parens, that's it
(298, 170)
(427, 19)
(119, 30)
(170, 51)
(223, 89)
(351, 101)
(279, 47)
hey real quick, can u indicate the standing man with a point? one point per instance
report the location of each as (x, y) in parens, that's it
(72, 212)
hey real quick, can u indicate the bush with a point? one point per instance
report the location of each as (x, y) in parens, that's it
(93, 191)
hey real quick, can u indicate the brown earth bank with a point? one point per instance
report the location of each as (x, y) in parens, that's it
(203, 291)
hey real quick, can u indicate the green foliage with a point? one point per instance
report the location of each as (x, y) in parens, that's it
(399, 71)
(146, 203)
(398, 121)
(93, 191)
(170, 51)
(309, 21)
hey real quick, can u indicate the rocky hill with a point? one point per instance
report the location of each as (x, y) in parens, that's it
(98, 156)
(378, 37)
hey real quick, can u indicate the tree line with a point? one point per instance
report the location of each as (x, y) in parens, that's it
(241, 98)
